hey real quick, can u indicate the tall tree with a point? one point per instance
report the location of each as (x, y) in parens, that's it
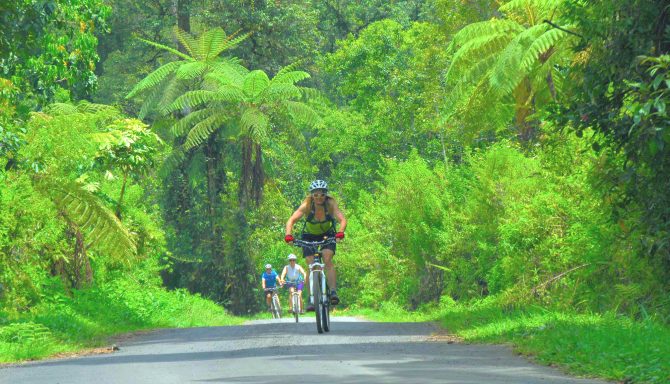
(513, 60)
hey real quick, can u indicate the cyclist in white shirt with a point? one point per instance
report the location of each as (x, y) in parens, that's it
(293, 276)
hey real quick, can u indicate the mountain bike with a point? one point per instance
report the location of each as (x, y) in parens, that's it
(319, 294)
(275, 308)
(295, 299)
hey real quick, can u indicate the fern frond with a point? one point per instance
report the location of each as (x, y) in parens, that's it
(232, 42)
(212, 43)
(282, 91)
(172, 161)
(290, 77)
(154, 78)
(508, 71)
(229, 93)
(169, 49)
(289, 68)
(87, 107)
(483, 28)
(472, 51)
(254, 123)
(255, 82)
(203, 130)
(302, 112)
(227, 72)
(313, 94)
(58, 109)
(168, 94)
(184, 124)
(187, 41)
(541, 45)
(100, 227)
(191, 70)
(532, 10)
(191, 99)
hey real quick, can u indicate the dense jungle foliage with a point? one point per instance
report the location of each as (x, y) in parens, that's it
(516, 150)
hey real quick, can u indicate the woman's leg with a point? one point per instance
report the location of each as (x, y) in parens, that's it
(330, 268)
(290, 298)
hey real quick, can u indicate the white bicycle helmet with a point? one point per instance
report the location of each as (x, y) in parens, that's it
(268, 266)
(318, 184)
(292, 257)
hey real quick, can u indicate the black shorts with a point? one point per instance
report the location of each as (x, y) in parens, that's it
(310, 251)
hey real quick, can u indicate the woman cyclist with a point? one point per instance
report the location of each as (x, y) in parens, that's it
(293, 276)
(320, 212)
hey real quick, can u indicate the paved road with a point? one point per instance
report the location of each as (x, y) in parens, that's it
(269, 351)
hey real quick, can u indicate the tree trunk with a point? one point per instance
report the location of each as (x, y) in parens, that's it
(258, 176)
(522, 94)
(213, 197)
(183, 13)
(123, 191)
(246, 174)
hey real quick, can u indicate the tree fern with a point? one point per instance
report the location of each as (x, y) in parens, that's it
(255, 82)
(285, 91)
(191, 71)
(202, 130)
(184, 124)
(493, 59)
(168, 49)
(101, 228)
(191, 99)
(154, 78)
(254, 124)
(303, 113)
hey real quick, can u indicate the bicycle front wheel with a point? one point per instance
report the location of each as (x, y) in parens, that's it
(277, 308)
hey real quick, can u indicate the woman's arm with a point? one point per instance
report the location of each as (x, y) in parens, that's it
(302, 270)
(339, 215)
(283, 273)
(295, 217)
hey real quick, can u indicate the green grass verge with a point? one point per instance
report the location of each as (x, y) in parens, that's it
(594, 345)
(88, 318)
(606, 346)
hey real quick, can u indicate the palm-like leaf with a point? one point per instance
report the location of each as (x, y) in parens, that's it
(154, 78)
(255, 124)
(203, 130)
(507, 53)
(191, 100)
(255, 83)
(100, 226)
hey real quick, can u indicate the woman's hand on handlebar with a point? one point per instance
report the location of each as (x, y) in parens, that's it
(289, 238)
(339, 236)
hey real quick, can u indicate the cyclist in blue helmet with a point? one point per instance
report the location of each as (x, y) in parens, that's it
(269, 280)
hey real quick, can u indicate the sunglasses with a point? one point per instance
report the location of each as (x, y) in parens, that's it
(318, 195)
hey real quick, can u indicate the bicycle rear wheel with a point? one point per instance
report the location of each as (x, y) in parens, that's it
(318, 303)
(325, 316)
(296, 306)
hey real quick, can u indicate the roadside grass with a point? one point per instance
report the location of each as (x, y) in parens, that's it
(88, 318)
(607, 345)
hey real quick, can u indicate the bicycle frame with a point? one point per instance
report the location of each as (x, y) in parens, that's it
(321, 303)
